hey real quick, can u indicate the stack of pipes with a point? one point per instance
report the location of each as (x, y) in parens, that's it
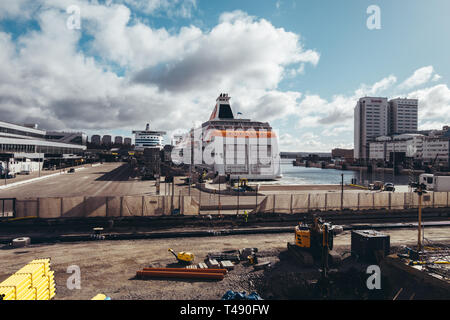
(182, 273)
(34, 281)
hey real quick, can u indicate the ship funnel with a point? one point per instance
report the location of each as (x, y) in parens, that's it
(147, 127)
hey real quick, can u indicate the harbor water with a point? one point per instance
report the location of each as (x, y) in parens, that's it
(297, 175)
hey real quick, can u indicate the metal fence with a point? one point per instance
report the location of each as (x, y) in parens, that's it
(301, 203)
(120, 206)
(7, 207)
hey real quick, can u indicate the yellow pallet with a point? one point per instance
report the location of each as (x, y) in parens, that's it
(8, 293)
(16, 280)
(45, 267)
(42, 282)
(44, 262)
(20, 282)
(36, 274)
(33, 281)
(44, 295)
(36, 268)
(30, 294)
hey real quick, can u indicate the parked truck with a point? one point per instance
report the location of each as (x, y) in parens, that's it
(437, 183)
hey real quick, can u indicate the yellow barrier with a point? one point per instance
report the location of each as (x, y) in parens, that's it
(358, 186)
(35, 281)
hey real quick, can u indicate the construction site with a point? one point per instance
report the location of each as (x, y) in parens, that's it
(171, 234)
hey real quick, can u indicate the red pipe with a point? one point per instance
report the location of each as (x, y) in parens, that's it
(223, 271)
(171, 274)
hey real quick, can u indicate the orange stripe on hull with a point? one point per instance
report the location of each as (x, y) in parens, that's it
(243, 134)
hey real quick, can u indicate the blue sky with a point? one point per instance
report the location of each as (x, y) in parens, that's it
(299, 64)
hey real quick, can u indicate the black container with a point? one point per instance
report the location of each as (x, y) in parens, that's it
(366, 244)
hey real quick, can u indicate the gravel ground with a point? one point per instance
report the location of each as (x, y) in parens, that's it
(109, 267)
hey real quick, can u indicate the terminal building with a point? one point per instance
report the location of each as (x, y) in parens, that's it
(67, 137)
(427, 149)
(25, 148)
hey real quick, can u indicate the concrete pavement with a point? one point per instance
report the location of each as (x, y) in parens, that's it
(110, 179)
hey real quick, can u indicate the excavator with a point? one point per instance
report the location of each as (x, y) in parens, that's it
(314, 242)
(183, 257)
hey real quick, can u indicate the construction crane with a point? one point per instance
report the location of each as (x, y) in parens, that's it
(431, 166)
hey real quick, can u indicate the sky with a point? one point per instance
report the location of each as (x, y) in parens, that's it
(300, 65)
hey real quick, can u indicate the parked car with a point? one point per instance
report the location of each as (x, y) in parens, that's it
(377, 185)
(71, 170)
(388, 187)
(10, 175)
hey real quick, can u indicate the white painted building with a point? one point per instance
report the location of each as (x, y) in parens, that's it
(403, 115)
(370, 121)
(436, 149)
(409, 144)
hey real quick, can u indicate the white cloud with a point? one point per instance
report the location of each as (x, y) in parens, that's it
(436, 77)
(331, 120)
(419, 77)
(377, 87)
(47, 79)
(17, 9)
(434, 105)
(240, 51)
(337, 131)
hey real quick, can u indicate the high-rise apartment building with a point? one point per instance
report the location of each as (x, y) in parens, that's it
(371, 120)
(106, 139)
(403, 115)
(95, 139)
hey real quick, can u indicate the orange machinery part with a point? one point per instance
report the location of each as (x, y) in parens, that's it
(223, 271)
(179, 274)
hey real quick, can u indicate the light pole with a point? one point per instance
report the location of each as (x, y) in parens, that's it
(342, 191)
(238, 196)
(420, 190)
(219, 195)
(393, 164)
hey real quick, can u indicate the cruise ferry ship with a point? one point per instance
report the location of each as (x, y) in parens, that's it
(148, 139)
(226, 145)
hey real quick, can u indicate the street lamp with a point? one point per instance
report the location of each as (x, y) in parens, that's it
(342, 191)
(420, 189)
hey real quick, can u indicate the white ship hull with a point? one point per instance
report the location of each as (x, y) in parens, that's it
(239, 148)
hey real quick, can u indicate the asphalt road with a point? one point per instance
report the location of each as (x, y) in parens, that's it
(108, 179)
